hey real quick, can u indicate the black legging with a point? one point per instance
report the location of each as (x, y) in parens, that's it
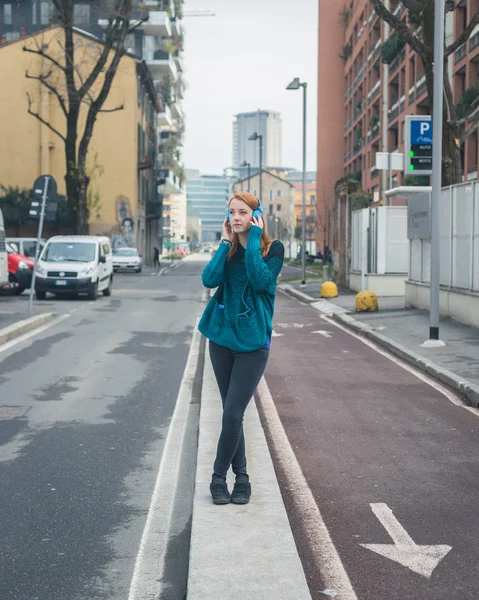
(238, 375)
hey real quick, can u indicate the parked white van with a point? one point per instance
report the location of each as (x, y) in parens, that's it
(3, 255)
(75, 264)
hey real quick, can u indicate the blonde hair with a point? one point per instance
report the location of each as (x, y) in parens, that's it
(254, 204)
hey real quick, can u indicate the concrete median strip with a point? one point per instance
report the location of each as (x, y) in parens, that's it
(237, 550)
(17, 329)
(468, 390)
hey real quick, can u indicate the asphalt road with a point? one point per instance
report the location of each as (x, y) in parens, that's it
(371, 438)
(85, 408)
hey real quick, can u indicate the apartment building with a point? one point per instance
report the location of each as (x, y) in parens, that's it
(123, 200)
(157, 41)
(370, 98)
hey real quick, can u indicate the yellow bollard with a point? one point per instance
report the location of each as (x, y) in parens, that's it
(366, 302)
(329, 289)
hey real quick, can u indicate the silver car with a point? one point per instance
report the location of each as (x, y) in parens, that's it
(127, 259)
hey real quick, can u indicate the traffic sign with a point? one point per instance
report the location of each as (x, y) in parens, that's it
(418, 144)
(44, 194)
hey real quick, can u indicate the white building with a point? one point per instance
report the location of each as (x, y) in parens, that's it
(263, 122)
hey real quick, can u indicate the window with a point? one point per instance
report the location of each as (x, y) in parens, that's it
(312, 200)
(34, 12)
(278, 208)
(11, 36)
(279, 193)
(45, 13)
(271, 194)
(81, 14)
(312, 214)
(255, 192)
(7, 14)
(270, 209)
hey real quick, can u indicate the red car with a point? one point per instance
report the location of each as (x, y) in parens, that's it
(20, 269)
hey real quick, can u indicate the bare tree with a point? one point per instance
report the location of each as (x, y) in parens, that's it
(80, 90)
(455, 130)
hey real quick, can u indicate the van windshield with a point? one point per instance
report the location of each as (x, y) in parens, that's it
(70, 252)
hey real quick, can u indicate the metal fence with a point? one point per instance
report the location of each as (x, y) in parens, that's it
(459, 252)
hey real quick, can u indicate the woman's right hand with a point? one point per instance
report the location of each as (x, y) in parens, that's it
(227, 233)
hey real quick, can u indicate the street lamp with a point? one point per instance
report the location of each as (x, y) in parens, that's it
(253, 137)
(247, 164)
(295, 85)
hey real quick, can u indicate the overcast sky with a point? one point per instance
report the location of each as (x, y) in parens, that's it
(241, 60)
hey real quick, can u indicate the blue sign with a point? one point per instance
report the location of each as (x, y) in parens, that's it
(418, 144)
(421, 132)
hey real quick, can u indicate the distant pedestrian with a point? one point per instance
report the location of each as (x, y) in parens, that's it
(238, 323)
(156, 257)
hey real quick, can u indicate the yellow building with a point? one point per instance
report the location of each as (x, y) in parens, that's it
(123, 199)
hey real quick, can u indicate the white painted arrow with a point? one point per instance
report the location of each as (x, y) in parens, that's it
(420, 559)
(324, 333)
(274, 334)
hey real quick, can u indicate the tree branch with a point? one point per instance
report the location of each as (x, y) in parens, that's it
(111, 110)
(399, 26)
(43, 54)
(465, 35)
(49, 86)
(42, 120)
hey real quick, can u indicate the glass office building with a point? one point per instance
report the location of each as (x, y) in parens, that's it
(209, 195)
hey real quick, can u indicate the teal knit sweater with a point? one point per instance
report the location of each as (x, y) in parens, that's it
(240, 314)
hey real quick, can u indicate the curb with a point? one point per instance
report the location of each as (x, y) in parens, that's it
(468, 391)
(289, 289)
(17, 329)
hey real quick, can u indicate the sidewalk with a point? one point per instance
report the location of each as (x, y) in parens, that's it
(402, 331)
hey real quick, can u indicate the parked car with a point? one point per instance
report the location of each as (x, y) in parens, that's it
(25, 245)
(3, 256)
(20, 269)
(127, 259)
(75, 264)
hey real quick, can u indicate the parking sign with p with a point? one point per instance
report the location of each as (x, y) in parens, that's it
(418, 145)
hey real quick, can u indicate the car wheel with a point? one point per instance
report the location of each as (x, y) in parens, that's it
(93, 293)
(138, 270)
(107, 292)
(40, 295)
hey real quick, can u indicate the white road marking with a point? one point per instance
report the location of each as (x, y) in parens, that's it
(324, 333)
(290, 325)
(451, 396)
(274, 334)
(328, 560)
(30, 334)
(147, 577)
(420, 559)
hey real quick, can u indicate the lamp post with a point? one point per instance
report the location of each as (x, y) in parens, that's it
(247, 164)
(253, 137)
(295, 85)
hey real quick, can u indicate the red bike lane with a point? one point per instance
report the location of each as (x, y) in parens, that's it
(391, 463)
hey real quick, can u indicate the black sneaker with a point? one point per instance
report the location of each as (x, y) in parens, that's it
(242, 490)
(219, 491)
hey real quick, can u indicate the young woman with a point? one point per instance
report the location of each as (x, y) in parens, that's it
(238, 323)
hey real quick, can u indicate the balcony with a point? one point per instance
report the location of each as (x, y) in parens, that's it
(178, 58)
(161, 62)
(165, 118)
(412, 94)
(474, 39)
(461, 53)
(374, 172)
(396, 63)
(158, 23)
(393, 110)
(472, 174)
(176, 110)
(168, 182)
(402, 104)
(376, 89)
(421, 86)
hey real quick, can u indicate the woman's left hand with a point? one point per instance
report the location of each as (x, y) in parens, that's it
(258, 221)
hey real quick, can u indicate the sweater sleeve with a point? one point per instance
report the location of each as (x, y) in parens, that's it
(214, 272)
(263, 272)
